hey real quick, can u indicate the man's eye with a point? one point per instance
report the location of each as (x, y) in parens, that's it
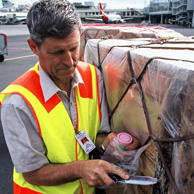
(73, 49)
(57, 52)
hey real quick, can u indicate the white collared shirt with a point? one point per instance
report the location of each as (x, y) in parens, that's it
(49, 89)
(21, 132)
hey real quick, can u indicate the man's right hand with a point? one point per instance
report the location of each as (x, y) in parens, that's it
(95, 173)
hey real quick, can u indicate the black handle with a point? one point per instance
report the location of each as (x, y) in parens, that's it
(114, 177)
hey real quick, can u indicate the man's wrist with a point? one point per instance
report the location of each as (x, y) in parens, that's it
(102, 148)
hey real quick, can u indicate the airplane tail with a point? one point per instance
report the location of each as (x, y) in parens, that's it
(101, 10)
(104, 16)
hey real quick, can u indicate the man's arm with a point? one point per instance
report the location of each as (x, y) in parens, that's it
(94, 172)
(26, 147)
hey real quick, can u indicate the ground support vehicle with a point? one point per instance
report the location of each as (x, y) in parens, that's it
(3, 46)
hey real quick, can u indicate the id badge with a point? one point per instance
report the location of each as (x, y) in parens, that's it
(85, 142)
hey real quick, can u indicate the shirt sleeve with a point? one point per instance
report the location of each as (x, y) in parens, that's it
(22, 136)
(104, 126)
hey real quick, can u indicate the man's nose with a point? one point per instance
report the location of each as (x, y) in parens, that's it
(67, 58)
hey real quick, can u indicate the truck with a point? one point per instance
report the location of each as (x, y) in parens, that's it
(3, 46)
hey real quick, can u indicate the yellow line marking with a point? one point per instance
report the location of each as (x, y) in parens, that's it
(20, 57)
(9, 48)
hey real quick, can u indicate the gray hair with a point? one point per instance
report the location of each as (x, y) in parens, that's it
(52, 18)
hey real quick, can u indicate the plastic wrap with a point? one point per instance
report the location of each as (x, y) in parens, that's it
(126, 160)
(129, 161)
(167, 87)
(92, 31)
(97, 49)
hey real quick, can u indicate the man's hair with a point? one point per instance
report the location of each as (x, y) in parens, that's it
(52, 18)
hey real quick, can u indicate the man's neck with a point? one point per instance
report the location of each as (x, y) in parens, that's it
(65, 87)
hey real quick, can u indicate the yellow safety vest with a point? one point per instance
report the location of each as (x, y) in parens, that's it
(55, 126)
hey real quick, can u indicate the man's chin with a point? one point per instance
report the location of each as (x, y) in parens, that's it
(66, 77)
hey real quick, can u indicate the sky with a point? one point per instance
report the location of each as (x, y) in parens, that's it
(118, 4)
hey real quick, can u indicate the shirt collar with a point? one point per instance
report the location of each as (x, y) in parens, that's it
(49, 88)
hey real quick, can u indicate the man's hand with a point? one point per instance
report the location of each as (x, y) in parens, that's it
(135, 142)
(95, 173)
(108, 139)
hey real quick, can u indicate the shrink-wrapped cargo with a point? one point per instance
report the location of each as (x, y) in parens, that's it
(92, 31)
(97, 49)
(149, 89)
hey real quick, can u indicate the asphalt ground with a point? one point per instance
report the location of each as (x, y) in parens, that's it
(20, 59)
(13, 30)
(183, 30)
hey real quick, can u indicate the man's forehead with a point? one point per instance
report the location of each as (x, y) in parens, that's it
(72, 39)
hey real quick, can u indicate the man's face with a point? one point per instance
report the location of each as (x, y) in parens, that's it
(58, 58)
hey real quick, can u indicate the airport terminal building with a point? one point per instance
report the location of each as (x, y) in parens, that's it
(172, 11)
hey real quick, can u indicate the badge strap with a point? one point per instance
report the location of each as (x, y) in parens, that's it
(76, 130)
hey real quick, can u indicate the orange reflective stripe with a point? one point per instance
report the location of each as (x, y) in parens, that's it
(85, 89)
(76, 155)
(76, 111)
(26, 81)
(22, 190)
(81, 186)
(98, 98)
(76, 152)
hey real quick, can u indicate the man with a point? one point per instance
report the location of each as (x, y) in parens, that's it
(56, 100)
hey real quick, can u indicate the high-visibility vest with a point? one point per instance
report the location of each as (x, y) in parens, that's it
(55, 126)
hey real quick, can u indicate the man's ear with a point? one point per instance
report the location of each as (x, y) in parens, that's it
(33, 46)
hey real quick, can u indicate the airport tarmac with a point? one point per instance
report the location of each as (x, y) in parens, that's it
(19, 59)
(14, 30)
